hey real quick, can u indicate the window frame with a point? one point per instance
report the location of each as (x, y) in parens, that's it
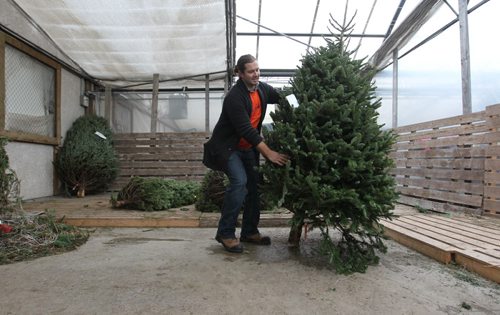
(6, 39)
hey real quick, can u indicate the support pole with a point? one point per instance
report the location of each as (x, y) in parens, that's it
(154, 102)
(108, 101)
(465, 56)
(207, 103)
(395, 88)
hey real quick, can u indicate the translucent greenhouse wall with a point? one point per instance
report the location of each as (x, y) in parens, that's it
(429, 78)
(177, 112)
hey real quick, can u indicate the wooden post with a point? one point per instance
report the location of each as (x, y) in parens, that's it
(395, 88)
(465, 57)
(207, 103)
(108, 95)
(154, 102)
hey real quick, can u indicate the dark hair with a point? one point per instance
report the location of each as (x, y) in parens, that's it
(242, 61)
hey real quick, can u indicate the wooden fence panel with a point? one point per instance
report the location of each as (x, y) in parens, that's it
(166, 155)
(441, 164)
(491, 204)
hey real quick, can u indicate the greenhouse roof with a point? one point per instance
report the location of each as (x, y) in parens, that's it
(127, 41)
(124, 42)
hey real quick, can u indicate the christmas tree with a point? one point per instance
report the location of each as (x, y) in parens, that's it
(87, 162)
(337, 177)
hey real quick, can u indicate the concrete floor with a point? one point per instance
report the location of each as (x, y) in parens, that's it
(184, 271)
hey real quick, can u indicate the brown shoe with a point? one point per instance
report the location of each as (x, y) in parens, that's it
(258, 239)
(232, 245)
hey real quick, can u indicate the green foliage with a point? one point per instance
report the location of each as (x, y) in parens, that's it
(151, 194)
(212, 192)
(38, 236)
(86, 162)
(338, 170)
(9, 184)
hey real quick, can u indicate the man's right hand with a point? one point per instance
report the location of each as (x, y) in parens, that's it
(273, 156)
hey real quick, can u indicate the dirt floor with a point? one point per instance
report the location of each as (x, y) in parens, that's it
(184, 271)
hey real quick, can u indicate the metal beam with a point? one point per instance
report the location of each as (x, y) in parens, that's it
(277, 72)
(258, 30)
(405, 31)
(308, 35)
(436, 33)
(395, 88)
(312, 26)
(395, 18)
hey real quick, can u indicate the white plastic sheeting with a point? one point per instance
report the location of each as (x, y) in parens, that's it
(124, 41)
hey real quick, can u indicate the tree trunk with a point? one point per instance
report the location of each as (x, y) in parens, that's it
(295, 234)
(81, 192)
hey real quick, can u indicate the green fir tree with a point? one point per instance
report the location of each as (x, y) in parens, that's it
(87, 162)
(338, 175)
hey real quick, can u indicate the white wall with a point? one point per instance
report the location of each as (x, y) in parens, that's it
(70, 101)
(33, 166)
(33, 162)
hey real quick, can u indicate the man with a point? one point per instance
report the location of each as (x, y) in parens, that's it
(234, 148)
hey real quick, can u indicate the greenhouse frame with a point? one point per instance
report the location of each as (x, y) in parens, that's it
(158, 72)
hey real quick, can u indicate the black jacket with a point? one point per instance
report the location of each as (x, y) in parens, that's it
(234, 123)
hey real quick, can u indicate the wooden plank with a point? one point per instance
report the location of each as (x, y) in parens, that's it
(471, 200)
(492, 110)
(493, 122)
(474, 261)
(442, 163)
(163, 172)
(158, 150)
(491, 239)
(448, 234)
(425, 245)
(158, 142)
(154, 103)
(165, 156)
(2, 81)
(473, 175)
(452, 153)
(162, 135)
(492, 177)
(492, 206)
(474, 128)
(492, 164)
(467, 226)
(492, 192)
(485, 138)
(475, 188)
(160, 165)
(438, 205)
(450, 121)
(438, 235)
(492, 150)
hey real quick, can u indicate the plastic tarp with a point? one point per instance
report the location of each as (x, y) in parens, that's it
(126, 41)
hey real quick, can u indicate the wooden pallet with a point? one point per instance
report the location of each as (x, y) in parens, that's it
(470, 242)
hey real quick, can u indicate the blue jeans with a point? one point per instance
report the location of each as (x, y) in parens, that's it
(242, 190)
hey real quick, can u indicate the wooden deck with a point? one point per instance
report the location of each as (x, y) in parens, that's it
(472, 242)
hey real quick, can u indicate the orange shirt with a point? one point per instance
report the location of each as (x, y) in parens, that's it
(254, 117)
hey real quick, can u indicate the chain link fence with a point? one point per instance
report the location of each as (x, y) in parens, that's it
(29, 94)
